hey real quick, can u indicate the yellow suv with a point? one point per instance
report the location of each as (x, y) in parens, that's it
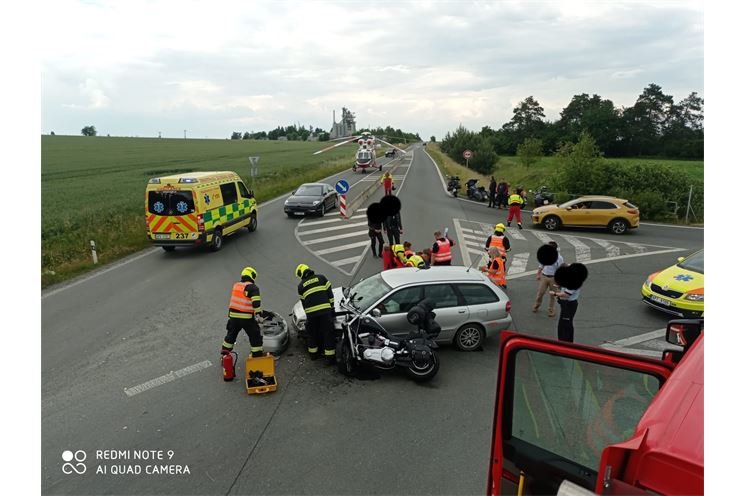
(197, 208)
(615, 214)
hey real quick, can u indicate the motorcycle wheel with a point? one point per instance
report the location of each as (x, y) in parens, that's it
(424, 371)
(345, 362)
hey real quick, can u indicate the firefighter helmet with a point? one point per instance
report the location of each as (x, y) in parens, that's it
(499, 227)
(249, 272)
(300, 270)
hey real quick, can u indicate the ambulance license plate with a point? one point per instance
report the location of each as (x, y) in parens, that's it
(659, 300)
(163, 236)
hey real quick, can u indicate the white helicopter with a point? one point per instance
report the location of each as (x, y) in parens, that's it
(365, 157)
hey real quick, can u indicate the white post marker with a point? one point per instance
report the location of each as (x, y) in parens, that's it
(342, 187)
(93, 252)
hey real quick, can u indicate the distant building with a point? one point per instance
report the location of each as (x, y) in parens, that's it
(346, 127)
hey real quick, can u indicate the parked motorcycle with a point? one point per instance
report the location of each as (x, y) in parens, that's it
(365, 341)
(453, 185)
(477, 194)
(543, 197)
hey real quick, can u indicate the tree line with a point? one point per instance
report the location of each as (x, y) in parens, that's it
(655, 126)
(301, 133)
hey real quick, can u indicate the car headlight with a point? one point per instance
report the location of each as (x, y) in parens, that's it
(695, 296)
(316, 202)
(287, 201)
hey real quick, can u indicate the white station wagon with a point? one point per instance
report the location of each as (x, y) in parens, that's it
(468, 306)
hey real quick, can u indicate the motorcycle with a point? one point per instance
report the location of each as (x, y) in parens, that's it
(543, 197)
(364, 341)
(477, 194)
(453, 185)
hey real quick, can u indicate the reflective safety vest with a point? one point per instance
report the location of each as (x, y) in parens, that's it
(415, 261)
(240, 305)
(498, 241)
(515, 200)
(316, 294)
(497, 274)
(443, 251)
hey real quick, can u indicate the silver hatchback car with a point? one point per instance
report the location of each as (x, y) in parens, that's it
(468, 306)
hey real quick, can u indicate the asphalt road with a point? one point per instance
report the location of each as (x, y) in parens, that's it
(162, 316)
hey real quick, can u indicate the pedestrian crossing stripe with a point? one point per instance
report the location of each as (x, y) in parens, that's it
(584, 247)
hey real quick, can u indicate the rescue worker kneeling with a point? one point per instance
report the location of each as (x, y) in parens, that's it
(414, 260)
(318, 302)
(243, 308)
(495, 269)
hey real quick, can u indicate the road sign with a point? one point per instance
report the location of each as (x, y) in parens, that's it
(467, 154)
(342, 187)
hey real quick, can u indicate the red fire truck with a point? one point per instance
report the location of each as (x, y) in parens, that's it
(575, 420)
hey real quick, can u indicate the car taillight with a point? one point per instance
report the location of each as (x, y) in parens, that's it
(508, 307)
(200, 223)
(633, 211)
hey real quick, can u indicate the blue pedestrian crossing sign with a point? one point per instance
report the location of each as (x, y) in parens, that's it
(342, 187)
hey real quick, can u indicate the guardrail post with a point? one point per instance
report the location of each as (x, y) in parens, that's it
(93, 252)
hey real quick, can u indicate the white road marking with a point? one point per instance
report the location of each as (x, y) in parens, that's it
(480, 253)
(647, 336)
(341, 248)
(328, 221)
(346, 261)
(582, 250)
(637, 248)
(518, 263)
(334, 238)
(169, 377)
(465, 256)
(326, 229)
(515, 233)
(611, 250)
(542, 237)
(474, 238)
(101, 272)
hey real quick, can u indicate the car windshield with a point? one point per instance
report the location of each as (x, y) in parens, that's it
(308, 191)
(368, 291)
(695, 262)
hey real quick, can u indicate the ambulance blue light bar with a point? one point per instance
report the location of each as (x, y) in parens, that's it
(154, 180)
(188, 180)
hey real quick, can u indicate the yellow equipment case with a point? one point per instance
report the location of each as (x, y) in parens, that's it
(265, 366)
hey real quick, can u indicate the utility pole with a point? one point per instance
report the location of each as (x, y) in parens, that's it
(184, 133)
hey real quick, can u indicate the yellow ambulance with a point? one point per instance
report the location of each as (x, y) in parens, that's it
(197, 208)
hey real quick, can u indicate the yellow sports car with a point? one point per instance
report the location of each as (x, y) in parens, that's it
(679, 289)
(615, 214)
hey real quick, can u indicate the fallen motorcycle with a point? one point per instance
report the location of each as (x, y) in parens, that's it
(543, 197)
(365, 342)
(473, 193)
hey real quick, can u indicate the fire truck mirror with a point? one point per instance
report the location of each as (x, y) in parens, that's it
(683, 332)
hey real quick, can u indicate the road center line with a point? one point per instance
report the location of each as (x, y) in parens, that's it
(165, 379)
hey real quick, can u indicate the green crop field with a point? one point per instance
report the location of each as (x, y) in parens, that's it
(93, 188)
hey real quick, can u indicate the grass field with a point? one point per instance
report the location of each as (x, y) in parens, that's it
(93, 188)
(542, 172)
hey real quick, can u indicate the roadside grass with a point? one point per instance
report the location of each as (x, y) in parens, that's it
(93, 188)
(544, 171)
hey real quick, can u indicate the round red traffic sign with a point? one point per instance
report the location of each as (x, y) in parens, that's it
(467, 154)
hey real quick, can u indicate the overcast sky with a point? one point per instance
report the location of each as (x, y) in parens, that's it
(137, 68)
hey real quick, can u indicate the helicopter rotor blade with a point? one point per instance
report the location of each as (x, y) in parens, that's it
(353, 138)
(392, 145)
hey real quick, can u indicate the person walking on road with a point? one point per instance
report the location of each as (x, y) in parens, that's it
(387, 181)
(393, 228)
(549, 260)
(569, 279)
(442, 250)
(318, 302)
(503, 189)
(516, 203)
(499, 241)
(375, 231)
(492, 193)
(243, 309)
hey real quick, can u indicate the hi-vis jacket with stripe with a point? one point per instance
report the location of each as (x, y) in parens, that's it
(245, 301)
(316, 294)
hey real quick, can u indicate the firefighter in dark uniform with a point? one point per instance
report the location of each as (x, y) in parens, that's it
(318, 302)
(243, 309)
